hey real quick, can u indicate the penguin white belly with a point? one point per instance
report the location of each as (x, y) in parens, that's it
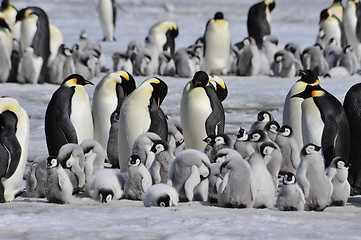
(195, 109)
(312, 124)
(80, 115)
(15, 183)
(105, 10)
(349, 23)
(56, 39)
(28, 30)
(331, 29)
(217, 53)
(6, 40)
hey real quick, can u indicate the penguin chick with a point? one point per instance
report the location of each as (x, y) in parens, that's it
(94, 157)
(162, 162)
(175, 137)
(290, 197)
(337, 172)
(36, 180)
(225, 154)
(106, 185)
(138, 181)
(258, 137)
(161, 195)
(214, 181)
(142, 147)
(273, 158)
(58, 188)
(216, 143)
(263, 117)
(243, 144)
(272, 128)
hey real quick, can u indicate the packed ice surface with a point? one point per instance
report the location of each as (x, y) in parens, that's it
(84, 218)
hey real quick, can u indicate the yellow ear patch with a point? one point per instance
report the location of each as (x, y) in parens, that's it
(156, 81)
(318, 93)
(125, 75)
(315, 83)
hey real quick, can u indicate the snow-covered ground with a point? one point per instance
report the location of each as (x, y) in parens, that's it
(84, 218)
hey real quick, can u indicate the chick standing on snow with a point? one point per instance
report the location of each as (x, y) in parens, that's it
(337, 172)
(272, 128)
(162, 162)
(94, 155)
(36, 180)
(263, 117)
(290, 197)
(243, 144)
(161, 195)
(142, 145)
(216, 143)
(273, 158)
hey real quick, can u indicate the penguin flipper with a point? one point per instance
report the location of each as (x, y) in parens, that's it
(216, 120)
(192, 181)
(158, 123)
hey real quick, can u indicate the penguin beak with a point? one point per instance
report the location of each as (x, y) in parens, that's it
(88, 82)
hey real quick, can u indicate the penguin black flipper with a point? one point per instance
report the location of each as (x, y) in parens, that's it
(216, 120)
(358, 24)
(159, 123)
(114, 13)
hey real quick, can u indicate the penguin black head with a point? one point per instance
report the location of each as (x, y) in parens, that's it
(218, 15)
(286, 131)
(164, 201)
(271, 4)
(272, 126)
(26, 12)
(52, 162)
(134, 160)
(325, 13)
(128, 83)
(308, 76)
(257, 135)
(4, 24)
(347, 49)
(75, 79)
(341, 163)
(278, 57)
(200, 79)
(160, 90)
(267, 148)
(289, 179)
(5, 4)
(220, 87)
(210, 139)
(242, 134)
(159, 146)
(264, 116)
(8, 119)
(309, 149)
(106, 195)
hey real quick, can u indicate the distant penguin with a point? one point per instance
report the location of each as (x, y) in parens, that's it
(142, 65)
(265, 196)
(138, 180)
(296, 52)
(312, 179)
(5, 50)
(122, 62)
(336, 136)
(62, 65)
(29, 67)
(272, 128)
(289, 148)
(217, 45)
(163, 160)
(263, 117)
(352, 25)
(10, 12)
(35, 32)
(238, 187)
(106, 185)
(258, 137)
(166, 64)
(330, 26)
(161, 195)
(332, 52)
(186, 62)
(94, 157)
(68, 116)
(337, 172)
(58, 186)
(249, 58)
(107, 15)
(214, 182)
(188, 175)
(351, 104)
(242, 144)
(283, 64)
(140, 113)
(201, 111)
(258, 20)
(273, 159)
(36, 180)
(290, 197)
(14, 142)
(313, 59)
(108, 97)
(142, 147)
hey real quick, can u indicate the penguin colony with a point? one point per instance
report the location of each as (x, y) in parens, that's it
(124, 147)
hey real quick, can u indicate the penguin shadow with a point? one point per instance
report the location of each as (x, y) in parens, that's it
(354, 201)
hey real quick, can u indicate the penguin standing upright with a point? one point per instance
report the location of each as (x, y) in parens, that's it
(217, 45)
(290, 197)
(140, 113)
(14, 142)
(35, 33)
(242, 144)
(36, 180)
(10, 12)
(201, 111)
(107, 16)
(258, 20)
(330, 27)
(352, 25)
(5, 50)
(68, 117)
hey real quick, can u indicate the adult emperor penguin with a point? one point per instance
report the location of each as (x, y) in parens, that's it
(10, 12)
(258, 20)
(161, 195)
(330, 27)
(14, 142)
(312, 178)
(201, 111)
(68, 116)
(5, 60)
(35, 33)
(140, 113)
(217, 45)
(58, 186)
(108, 97)
(337, 172)
(36, 179)
(352, 25)
(107, 15)
(290, 197)
(322, 107)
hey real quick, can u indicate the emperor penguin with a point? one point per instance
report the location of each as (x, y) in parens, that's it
(312, 58)
(175, 137)
(5, 55)
(242, 144)
(352, 26)
(263, 117)
(142, 147)
(225, 154)
(36, 179)
(249, 58)
(295, 49)
(163, 160)
(290, 197)
(62, 65)
(35, 33)
(337, 9)
(106, 185)
(330, 27)
(108, 97)
(273, 159)
(289, 148)
(265, 187)
(217, 45)
(351, 104)
(56, 40)
(161, 195)
(238, 186)
(68, 116)
(29, 67)
(10, 12)
(188, 175)
(283, 64)
(337, 172)
(58, 186)
(272, 128)
(14, 143)
(201, 111)
(140, 113)
(215, 143)
(107, 15)
(336, 136)
(166, 64)
(122, 62)
(311, 177)
(214, 180)
(258, 20)
(138, 180)
(94, 157)
(258, 137)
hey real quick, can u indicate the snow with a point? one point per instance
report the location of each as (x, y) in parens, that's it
(85, 218)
